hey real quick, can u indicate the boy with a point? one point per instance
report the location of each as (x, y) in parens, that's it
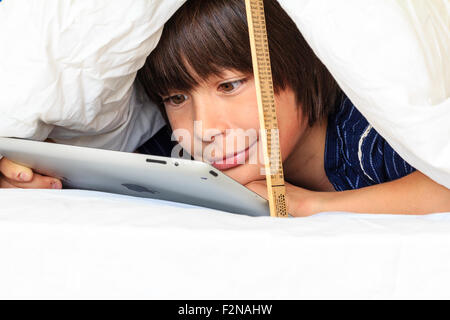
(201, 72)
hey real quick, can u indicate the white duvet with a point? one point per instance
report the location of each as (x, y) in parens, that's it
(67, 70)
(83, 245)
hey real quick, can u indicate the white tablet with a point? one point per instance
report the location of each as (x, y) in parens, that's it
(179, 180)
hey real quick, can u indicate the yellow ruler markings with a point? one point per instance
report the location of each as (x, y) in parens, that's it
(266, 105)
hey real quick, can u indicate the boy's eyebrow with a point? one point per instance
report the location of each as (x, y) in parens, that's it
(231, 74)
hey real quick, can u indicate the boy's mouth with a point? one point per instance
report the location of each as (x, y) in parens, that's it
(235, 160)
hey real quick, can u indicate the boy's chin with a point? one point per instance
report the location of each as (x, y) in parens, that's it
(245, 173)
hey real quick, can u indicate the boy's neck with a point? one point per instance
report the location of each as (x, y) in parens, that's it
(305, 165)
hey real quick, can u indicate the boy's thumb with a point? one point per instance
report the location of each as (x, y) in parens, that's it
(15, 171)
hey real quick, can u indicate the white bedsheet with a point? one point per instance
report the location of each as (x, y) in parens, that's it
(88, 245)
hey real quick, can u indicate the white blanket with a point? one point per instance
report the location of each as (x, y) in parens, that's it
(85, 245)
(67, 70)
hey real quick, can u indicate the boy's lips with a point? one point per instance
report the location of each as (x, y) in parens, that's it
(236, 160)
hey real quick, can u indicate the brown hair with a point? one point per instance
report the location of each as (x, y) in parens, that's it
(212, 35)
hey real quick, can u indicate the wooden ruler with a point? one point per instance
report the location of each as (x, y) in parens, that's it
(266, 104)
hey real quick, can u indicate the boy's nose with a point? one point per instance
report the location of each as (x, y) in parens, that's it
(210, 116)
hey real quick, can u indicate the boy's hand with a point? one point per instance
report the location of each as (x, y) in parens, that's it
(300, 202)
(14, 175)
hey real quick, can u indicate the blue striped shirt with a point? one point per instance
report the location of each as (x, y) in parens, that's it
(356, 155)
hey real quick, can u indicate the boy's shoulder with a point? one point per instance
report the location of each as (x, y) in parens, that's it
(347, 118)
(356, 155)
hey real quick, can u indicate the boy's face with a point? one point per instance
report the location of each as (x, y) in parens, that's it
(218, 123)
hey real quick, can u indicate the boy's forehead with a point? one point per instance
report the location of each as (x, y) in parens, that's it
(222, 71)
(213, 77)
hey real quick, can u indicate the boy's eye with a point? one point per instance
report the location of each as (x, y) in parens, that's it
(230, 86)
(176, 99)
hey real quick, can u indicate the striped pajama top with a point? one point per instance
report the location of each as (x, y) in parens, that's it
(356, 155)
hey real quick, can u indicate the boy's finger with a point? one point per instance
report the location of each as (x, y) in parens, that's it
(38, 182)
(14, 171)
